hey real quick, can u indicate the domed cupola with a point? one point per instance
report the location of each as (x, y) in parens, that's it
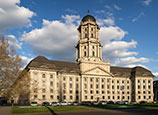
(88, 17)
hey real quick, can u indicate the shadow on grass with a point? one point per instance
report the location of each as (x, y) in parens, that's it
(52, 112)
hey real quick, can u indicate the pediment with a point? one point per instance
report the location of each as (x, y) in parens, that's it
(97, 71)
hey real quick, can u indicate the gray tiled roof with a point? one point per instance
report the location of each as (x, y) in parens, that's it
(42, 62)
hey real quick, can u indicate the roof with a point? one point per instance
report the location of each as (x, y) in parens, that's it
(42, 62)
(88, 17)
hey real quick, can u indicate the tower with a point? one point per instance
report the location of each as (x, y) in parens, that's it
(88, 47)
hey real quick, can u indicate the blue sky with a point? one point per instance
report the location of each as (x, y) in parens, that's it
(128, 29)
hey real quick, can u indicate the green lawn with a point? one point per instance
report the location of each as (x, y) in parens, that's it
(42, 109)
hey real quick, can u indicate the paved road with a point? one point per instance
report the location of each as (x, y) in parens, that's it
(5, 110)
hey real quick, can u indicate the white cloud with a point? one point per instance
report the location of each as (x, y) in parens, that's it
(147, 2)
(55, 39)
(117, 7)
(25, 60)
(111, 33)
(155, 74)
(13, 15)
(12, 40)
(139, 16)
(131, 60)
(103, 22)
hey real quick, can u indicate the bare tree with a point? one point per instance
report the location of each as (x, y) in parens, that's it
(10, 65)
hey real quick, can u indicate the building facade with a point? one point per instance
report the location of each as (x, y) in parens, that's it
(88, 79)
(155, 89)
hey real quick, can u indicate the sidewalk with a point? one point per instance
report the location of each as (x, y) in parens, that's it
(5, 110)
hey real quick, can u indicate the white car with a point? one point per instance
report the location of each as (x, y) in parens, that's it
(54, 104)
(34, 103)
(103, 102)
(63, 103)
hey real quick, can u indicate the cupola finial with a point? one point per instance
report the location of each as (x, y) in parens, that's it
(88, 12)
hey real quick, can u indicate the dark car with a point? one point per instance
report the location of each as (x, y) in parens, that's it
(143, 102)
(45, 104)
(110, 102)
(84, 103)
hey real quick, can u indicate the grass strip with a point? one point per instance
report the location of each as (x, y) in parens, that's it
(29, 109)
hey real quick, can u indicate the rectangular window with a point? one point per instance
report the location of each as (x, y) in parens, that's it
(43, 83)
(64, 78)
(51, 97)
(43, 96)
(118, 97)
(51, 76)
(43, 90)
(43, 75)
(70, 91)
(143, 86)
(112, 87)
(97, 80)
(35, 96)
(86, 35)
(85, 97)
(91, 92)
(85, 85)
(93, 54)
(108, 97)
(91, 97)
(97, 92)
(51, 90)
(97, 86)
(117, 81)
(70, 97)
(76, 79)
(103, 92)
(103, 97)
(64, 97)
(91, 35)
(102, 86)
(84, 53)
(70, 85)
(91, 86)
(70, 78)
(108, 86)
(51, 83)
(76, 85)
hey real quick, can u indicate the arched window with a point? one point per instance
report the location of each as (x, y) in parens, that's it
(86, 35)
(93, 53)
(85, 53)
(91, 35)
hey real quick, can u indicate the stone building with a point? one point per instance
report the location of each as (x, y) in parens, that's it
(87, 79)
(155, 89)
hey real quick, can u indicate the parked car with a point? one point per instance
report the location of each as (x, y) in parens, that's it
(133, 102)
(45, 104)
(102, 102)
(84, 103)
(119, 102)
(69, 103)
(54, 104)
(142, 102)
(75, 103)
(125, 102)
(63, 103)
(95, 103)
(110, 102)
(34, 103)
